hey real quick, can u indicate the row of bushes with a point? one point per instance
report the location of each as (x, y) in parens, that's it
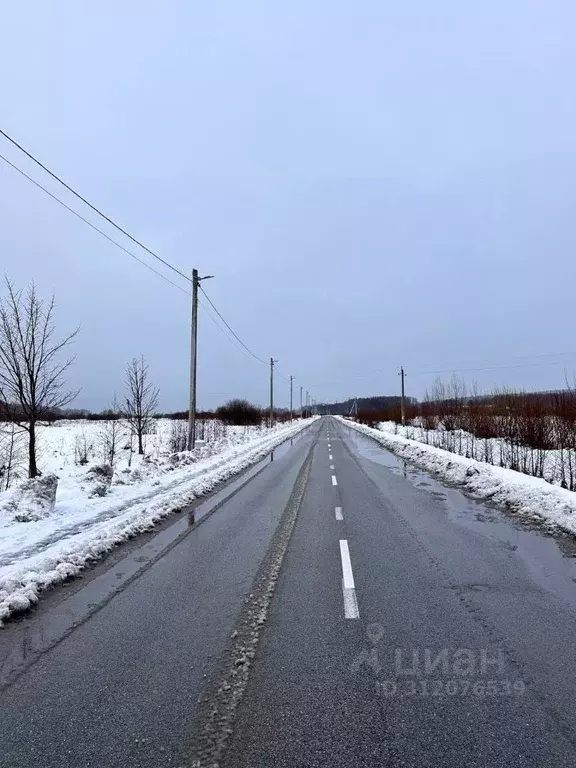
(512, 429)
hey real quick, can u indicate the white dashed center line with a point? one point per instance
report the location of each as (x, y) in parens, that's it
(348, 588)
(338, 511)
(331, 466)
(334, 481)
(329, 457)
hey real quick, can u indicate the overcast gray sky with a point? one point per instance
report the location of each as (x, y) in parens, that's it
(372, 183)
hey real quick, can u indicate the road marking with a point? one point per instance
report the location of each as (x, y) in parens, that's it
(350, 604)
(334, 481)
(338, 511)
(347, 577)
(348, 588)
(331, 466)
(329, 457)
(329, 446)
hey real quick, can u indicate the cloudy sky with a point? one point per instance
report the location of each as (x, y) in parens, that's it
(372, 184)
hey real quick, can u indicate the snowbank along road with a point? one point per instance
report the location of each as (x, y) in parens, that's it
(340, 608)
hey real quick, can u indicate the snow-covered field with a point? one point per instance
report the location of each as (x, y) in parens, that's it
(532, 497)
(55, 544)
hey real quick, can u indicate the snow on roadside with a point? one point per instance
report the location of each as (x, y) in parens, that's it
(522, 494)
(37, 555)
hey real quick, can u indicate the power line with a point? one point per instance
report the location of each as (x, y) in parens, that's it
(244, 346)
(490, 360)
(123, 231)
(93, 207)
(232, 331)
(447, 370)
(91, 225)
(492, 368)
(284, 378)
(241, 346)
(221, 329)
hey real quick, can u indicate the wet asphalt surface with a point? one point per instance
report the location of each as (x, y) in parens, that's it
(438, 578)
(464, 652)
(122, 689)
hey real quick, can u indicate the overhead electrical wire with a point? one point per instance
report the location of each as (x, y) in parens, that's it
(496, 362)
(93, 207)
(234, 336)
(281, 376)
(208, 312)
(434, 373)
(491, 368)
(91, 225)
(232, 331)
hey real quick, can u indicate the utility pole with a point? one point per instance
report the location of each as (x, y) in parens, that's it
(402, 411)
(193, 355)
(307, 397)
(354, 408)
(300, 402)
(272, 361)
(291, 380)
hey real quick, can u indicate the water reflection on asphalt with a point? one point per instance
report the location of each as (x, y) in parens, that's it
(549, 555)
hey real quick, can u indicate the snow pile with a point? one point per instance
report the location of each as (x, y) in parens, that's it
(557, 466)
(98, 479)
(34, 499)
(529, 496)
(41, 553)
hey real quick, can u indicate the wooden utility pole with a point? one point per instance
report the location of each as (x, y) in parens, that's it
(191, 438)
(291, 380)
(402, 409)
(301, 414)
(193, 353)
(272, 361)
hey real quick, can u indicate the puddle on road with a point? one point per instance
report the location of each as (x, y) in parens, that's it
(550, 555)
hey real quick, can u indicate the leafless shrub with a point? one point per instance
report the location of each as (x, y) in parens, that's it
(178, 436)
(516, 430)
(111, 434)
(239, 412)
(82, 449)
(11, 454)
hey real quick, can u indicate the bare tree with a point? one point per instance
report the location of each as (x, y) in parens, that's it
(141, 400)
(31, 369)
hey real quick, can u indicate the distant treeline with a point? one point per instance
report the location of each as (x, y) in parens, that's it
(232, 412)
(374, 403)
(77, 414)
(446, 399)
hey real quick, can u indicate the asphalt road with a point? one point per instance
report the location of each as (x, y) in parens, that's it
(340, 609)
